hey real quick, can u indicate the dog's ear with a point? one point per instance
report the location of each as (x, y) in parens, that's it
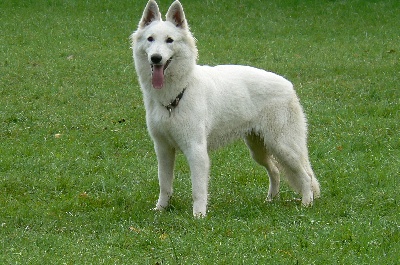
(151, 13)
(176, 15)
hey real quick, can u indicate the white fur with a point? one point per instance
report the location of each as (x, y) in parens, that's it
(219, 104)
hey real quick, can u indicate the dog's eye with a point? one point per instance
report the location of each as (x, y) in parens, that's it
(169, 40)
(151, 39)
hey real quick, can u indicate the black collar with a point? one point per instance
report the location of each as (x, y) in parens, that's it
(175, 102)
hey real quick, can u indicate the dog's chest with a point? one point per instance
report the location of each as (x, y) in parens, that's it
(169, 126)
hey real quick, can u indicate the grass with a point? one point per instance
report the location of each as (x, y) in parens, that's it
(78, 171)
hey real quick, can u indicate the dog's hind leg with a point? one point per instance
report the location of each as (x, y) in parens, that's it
(285, 136)
(260, 154)
(294, 161)
(166, 161)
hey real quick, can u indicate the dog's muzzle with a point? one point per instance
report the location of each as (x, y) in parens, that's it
(157, 78)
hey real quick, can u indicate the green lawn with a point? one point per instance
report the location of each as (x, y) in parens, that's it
(78, 174)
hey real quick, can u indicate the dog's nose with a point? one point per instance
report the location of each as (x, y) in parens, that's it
(156, 58)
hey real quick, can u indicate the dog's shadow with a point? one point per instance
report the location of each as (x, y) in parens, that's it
(244, 207)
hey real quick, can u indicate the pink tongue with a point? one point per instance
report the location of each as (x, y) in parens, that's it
(158, 76)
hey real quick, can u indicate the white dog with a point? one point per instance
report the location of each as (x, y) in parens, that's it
(195, 108)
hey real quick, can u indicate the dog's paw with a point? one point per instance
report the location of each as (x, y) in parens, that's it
(159, 208)
(199, 215)
(200, 208)
(271, 197)
(306, 205)
(307, 201)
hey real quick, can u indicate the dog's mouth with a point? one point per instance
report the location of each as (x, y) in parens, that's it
(157, 74)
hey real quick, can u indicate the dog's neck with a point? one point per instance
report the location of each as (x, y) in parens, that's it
(174, 103)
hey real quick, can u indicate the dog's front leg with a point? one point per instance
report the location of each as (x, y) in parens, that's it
(166, 161)
(199, 167)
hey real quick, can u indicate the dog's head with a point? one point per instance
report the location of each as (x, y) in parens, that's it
(163, 49)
